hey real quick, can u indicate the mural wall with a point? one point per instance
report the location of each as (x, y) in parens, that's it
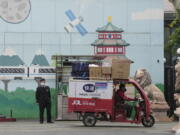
(34, 31)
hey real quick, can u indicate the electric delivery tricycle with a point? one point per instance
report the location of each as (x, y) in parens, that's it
(95, 100)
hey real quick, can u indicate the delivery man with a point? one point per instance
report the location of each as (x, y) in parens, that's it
(43, 98)
(121, 98)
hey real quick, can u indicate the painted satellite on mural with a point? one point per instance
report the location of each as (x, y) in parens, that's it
(75, 22)
(14, 11)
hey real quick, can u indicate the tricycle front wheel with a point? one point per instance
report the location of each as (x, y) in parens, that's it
(148, 123)
(89, 119)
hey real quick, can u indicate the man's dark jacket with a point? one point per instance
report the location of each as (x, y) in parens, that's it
(43, 95)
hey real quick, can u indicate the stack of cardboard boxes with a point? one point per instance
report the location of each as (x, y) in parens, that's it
(95, 72)
(120, 68)
(106, 72)
(117, 69)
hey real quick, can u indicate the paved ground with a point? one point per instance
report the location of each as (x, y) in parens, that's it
(76, 128)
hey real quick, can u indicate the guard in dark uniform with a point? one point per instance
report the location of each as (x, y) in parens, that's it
(43, 98)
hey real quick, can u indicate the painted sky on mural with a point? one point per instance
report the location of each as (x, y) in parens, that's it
(142, 21)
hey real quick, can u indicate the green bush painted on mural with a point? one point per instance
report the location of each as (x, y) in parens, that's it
(22, 103)
(160, 86)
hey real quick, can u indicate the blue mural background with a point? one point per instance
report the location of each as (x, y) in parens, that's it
(142, 21)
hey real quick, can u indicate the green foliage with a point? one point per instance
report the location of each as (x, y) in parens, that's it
(22, 103)
(174, 39)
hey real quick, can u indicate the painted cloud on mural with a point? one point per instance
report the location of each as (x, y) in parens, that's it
(148, 14)
(9, 52)
(14, 11)
(84, 4)
(40, 52)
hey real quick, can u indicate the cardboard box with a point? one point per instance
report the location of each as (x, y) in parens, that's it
(95, 73)
(120, 68)
(106, 76)
(106, 70)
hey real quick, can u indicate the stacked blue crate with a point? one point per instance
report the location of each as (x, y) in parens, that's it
(80, 70)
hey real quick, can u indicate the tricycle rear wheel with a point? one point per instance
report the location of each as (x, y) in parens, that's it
(89, 120)
(148, 123)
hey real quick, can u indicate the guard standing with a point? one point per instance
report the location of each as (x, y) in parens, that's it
(43, 98)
